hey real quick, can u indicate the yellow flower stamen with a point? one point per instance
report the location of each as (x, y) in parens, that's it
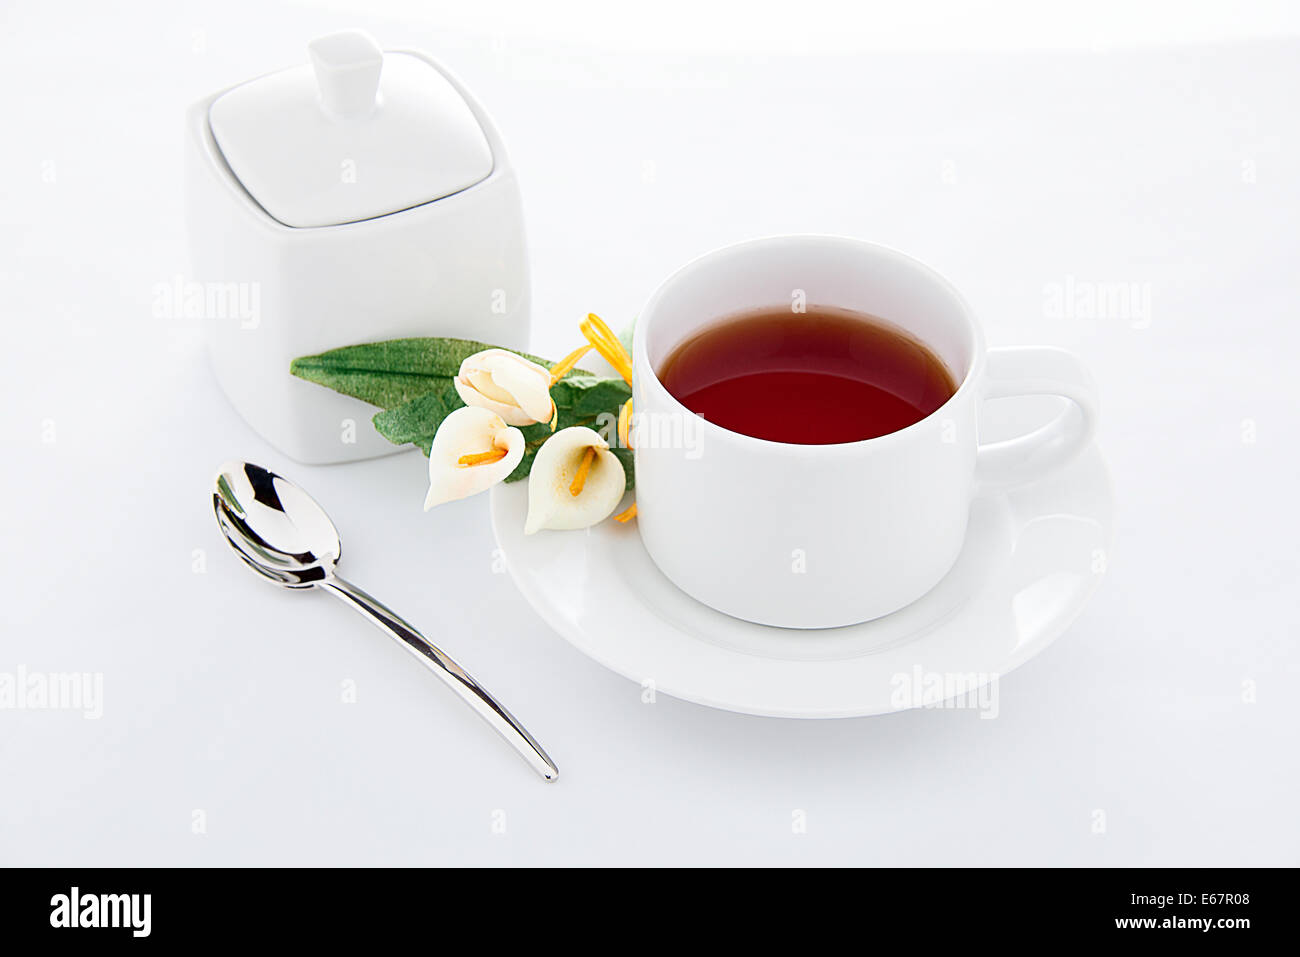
(482, 458)
(626, 515)
(625, 424)
(563, 367)
(579, 480)
(607, 344)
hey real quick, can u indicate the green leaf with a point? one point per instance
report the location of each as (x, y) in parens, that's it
(579, 397)
(391, 373)
(417, 421)
(534, 437)
(629, 471)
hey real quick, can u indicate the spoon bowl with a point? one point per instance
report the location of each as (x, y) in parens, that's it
(274, 526)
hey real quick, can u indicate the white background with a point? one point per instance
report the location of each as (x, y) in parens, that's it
(1015, 149)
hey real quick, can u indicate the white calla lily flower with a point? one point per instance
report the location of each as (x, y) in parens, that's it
(473, 449)
(575, 481)
(515, 388)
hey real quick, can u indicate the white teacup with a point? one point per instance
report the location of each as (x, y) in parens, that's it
(816, 536)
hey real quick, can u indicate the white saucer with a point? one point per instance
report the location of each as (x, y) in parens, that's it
(1031, 561)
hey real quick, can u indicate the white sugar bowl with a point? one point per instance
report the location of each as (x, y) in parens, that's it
(365, 196)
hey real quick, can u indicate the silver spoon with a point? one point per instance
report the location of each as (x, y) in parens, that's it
(284, 536)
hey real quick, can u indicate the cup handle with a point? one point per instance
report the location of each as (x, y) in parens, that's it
(1036, 370)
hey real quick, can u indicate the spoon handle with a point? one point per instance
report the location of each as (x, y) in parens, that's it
(459, 680)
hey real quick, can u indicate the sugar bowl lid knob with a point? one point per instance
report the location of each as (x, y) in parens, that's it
(347, 67)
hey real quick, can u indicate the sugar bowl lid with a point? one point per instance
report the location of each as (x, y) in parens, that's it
(357, 134)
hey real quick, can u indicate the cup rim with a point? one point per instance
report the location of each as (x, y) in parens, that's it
(641, 358)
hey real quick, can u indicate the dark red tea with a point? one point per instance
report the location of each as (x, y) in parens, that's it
(815, 378)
